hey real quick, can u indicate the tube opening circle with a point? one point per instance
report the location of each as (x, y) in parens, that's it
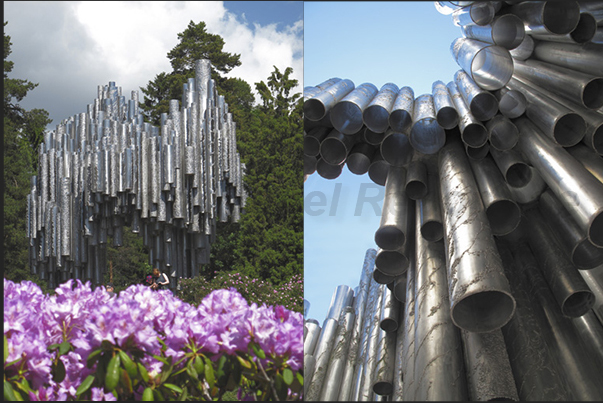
(569, 130)
(504, 217)
(578, 303)
(483, 311)
(518, 175)
(492, 68)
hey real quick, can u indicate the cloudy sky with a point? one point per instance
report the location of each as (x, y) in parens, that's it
(71, 47)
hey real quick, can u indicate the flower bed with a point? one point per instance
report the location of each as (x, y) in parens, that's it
(84, 344)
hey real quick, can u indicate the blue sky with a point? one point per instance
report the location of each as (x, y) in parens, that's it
(281, 13)
(407, 43)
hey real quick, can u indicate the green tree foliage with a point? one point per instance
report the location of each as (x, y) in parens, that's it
(129, 262)
(23, 132)
(196, 43)
(271, 236)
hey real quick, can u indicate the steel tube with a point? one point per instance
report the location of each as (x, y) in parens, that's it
(416, 180)
(579, 191)
(389, 313)
(342, 297)
(430, 212)
(311, 335)
(512, 104)
(473, 132)
(569, 288)
(512, 165)
(524, 49)
(426, 135)
(586, 58)
(502, 211)
(535, 372)
(581, 252)
(328, 171)
(394, 216)
(594, 279)
(336, 146)
(490, 66)
(583, 32)
(383, 383)
(573, 358)
(478, 13)
(376, 114)
(396, 148)
(407, 353)
(389, 264)
(505, 30)
(379, 169)
(547, 17)
(317, 107)
(346, 115)
(502, 133)
(446, 113)
(322, 356)
(359, 158)
(313, 138)
(584, 89)
(360, 309)
(439, 372)
(370, 356)
(489, 374)
(333, 376)
(400, 285)
(589, 159)
(483, 104)
(398, 384)
(479, 292)
(373, 138)
(556, 120)
(400, 117)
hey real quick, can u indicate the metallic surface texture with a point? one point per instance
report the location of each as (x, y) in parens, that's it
(426, 135)
(490, 66)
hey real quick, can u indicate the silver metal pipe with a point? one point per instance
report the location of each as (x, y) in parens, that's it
(342, 297)
(317, 107)
(591, 160)
(490, 66)
(333, 376)
(373, 138)
(586, 58)
(545, 17)
(382, 277)
(489, 374)
(389, 313)
(573, 358)
(513, 166)
(426, 135)
(595, 8)
(379, 169)
(359, 158)
(569, 288)
(416, 180)
(399, 286)
(383, 381)
(336, 146)
(479, 292)
(346, 115)
(398, 384)
(534, 369)
(407, 352)
(322, 356)
(591, 331)
(524, 49)
(581, 252)
(309, 368)
(502, 133)
(483, 104)
(376, 114)
(438, 365)
(581, 88)
(446, 113)
(594, 279)
(430, 212)
(556, 120)
(477, 13)
(390, 263)
(370, 356)
(473, 132)
(360, 309)
(328, 171)
(396, 148)
(311, 334)
(505, 30)
(511, 104)
(502, 211)
(477, 153)
(400, 117)
(579, 191)
(582, 33)
(391, 234)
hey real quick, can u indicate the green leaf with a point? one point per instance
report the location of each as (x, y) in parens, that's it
(59, 372)
(209, 373)
(85, 385)
(191, 371)
(158, 395)
(9, 393)
(281, 387)
(24, 385)
(244, 362)
(198, 364)
(147, 395)
(128, 364)
(64, 347)
(93, 358)
(125, 380)
(288, 376)
(300, 378)
(258, 351)
(6, 352)
(112, 377)
(106, 345)
(143, 372)
(223, 371)
(237, 371)
(173, 387)
(163, 360)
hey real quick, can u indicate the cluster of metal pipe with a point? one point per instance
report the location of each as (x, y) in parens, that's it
(491, 233)
(106, 169)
